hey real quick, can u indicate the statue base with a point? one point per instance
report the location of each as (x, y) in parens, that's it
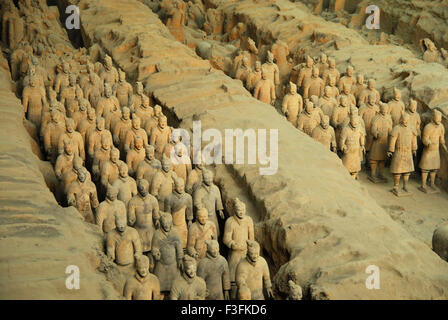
(378, 179)
(429, 190)
(401, 193)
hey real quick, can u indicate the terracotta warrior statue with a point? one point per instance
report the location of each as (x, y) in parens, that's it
(62, 79)
(64, 162)
(346, 92)
(51, 134)
(74, 137)
(123, 243)
(431, 54)
(108, 103)
(340, 113)
(134, 132)
(82, 195)
(94, 137)
(327, 103)
(163, 182)
(167, 252)
(348, 79)
(334, 91)
(126, 185)
(121, 128)
(244, 70)
(209, 197)
(265, 89)
(324, 133)
(81, 113)
(143, 285)
(363, 96)
(237, 230)
(308, 119)
(100, 157)
(180, 205)
(154, 120)
(332, 71)
(306, 72)
(33, 100)
(160, 136)
(194, 178)
(414, 118)
(253, 272)
(144, 111)
(110, 169)
(68, 95)
(380, 130)
(402, 146)
(110, 74)
(188, 286)
(292, 104)
(137, 98)
(396, 107)
(352, 144)
(149, 166)
(143, 214)
(135, 156)
(199, 231)
(323, 63)
(109, 209)
(433, 138)
(93, 90)
(359, 86)
(123, 90)
(271, 69)
(214, 269)
(314, 85)
(253, 77)
(367, 112)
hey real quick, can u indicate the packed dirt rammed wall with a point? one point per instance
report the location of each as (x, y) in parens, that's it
(39, 239)
(326, 244)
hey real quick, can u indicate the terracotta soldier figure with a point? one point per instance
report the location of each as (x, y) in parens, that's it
(194, 178)
(109, 209)
(340, 113)
(135, 156)
(143, 285)
(68, 95)
(160, 136)
(244, 70)
(64, 162)
(154, 120)
(51, 134)
(366, 92)
(327, 103)
(82, 195)
(352, 144)
(402, 146)
(163, 182)
(271, 69)
(396, 107)
(323, 63)
(214, 269)
(308, 119)
(180, 205)
(414, 118)
(62, 79)
(108, 103)
(433, 138)
(93, 89)
(101, 156)
(121, 128)
(137, 98)
(292, 104)
(359, 86)
(209, 197)
(87, 124)
(143, 214)
(94, 137)
(199, 231)
(237, 230)
(348, 79)
(306, 72)
(167, 252)
(265, 89)
(123, 243)
(367, 112)
(332, 71)
(253, 77)
(431, 54)
(253, 272)
(126, 185)
(69, 176)
(324, 133)
(314, 85)
(188, 286)
(123, 90)
(33, 100)
(334, 91)
(81, 113)
(74, 137)
(380, 130)
(110, 169)
(346, 92)
(149, 166)
(110, 74)
(132, 133)
(144, 111)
